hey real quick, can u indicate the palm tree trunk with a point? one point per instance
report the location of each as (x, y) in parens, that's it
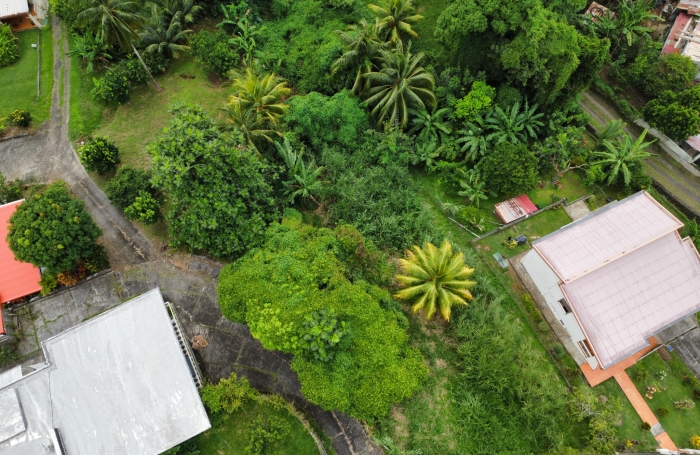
(146, 68)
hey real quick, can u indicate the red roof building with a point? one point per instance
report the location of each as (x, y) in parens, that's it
(513, 209)
(17, 279)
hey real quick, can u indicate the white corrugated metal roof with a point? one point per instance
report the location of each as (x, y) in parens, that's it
(13, 7)
(604, 235)
(623, 303)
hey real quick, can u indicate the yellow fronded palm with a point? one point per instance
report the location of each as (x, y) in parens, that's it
(435, 279)
(396, 18)
(262, 94)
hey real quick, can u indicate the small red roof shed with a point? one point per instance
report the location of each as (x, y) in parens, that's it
(17, 279)
(512, 209)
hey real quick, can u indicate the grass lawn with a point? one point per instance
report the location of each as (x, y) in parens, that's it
(85, 113)
(142, 119)
(19, 79)
(233, 435)
(679, 424)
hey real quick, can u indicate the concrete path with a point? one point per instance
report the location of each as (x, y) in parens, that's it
(642, 408)
(577, 210)
(667, 173)
(191, 287)
(48, 155)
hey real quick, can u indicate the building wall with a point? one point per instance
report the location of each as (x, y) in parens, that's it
(547, 283)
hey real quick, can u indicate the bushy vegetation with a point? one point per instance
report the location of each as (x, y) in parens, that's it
(52, 229)
(127, 184)
(21, 118)
(99, 155)
(9, 50)
(279, 289)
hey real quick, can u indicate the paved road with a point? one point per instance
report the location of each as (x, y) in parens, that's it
(48, 155)
(191, 287)
(684, 186)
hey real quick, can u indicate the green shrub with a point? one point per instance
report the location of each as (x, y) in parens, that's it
(134, 71)
(320, 334)
(640, 179)
(296, 273)
(510, 169)
(145, 208)
(265, 433)
(123, 189)
(558, 350)
(645, 426)
(156, 62)
(228, 395)
(602, 415)
(112, 87)
(21, 118)
(662, 412)
(9, 191)
(531, 308)
(477, 101)
(684, 404)
(9, 49)
(97, 260)
(507, 96)
(214, 51)
(8, 355)
(48, 283)
(99, 155)
(691, 380)
(641, 374)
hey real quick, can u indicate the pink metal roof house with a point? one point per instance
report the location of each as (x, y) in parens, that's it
(618, 276)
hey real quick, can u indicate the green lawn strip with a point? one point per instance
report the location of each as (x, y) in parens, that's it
(19, 79)
(680, 424)
(630, 422)
(233, 435)
(85, 113)
(142, 119)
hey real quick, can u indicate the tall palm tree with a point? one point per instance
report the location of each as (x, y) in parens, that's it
(400, 84)
(249, 122)
(622, 155)
(116, 22)
(160, 37)
(396, 18)
(362, 46)
(435, 279)
(261, 94)
(187, 10)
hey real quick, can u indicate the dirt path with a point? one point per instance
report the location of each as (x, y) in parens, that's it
(48, 156)
(668, 174)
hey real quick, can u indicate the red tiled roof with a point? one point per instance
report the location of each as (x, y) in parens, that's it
(514, 208)
(17, 279)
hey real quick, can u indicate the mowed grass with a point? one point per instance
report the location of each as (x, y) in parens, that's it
(233, 435)
(18, 81)
(680, 424)
(132, 126)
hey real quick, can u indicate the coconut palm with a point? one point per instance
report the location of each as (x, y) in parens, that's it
(162, 38)
(249, 122)
(115, 22)
(396, 18)
(513, 125)
(620, 156)
(400, 85)
(362, 46)
(435, 279)
(262, 94)
(431, 127)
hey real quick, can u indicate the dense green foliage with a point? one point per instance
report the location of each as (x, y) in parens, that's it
(112, 87)
(510, 169)
(21, 118)
(228, 395)
(318, 120)
(126, 185)
(99, 155)
(320, 334)
(476, 102)
(295, 274)
(9, 191)
(676, 115)
(220, 199)
(52, 229)
(672, 71)
(145, 208)
(214, 52)
(9, 50)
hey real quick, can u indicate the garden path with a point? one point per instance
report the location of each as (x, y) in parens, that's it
(48, 155)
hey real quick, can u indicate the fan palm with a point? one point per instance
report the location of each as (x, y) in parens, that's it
(513, 125)
(262, 94)
(159, 37)
(431, 127)
(435, 279)
(115, 22)
(620, 156)
(362, 46)
(396, 18)
(400, 84)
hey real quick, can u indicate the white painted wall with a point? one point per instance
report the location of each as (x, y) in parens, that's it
(547, 283)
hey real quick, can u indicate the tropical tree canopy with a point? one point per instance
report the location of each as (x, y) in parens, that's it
(115, 21)
(435, 279)
(159, 36)
(400, 84)
(262, 94)
(396, 18)
(362, 46)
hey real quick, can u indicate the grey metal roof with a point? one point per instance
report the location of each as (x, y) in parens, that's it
(116, 384)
